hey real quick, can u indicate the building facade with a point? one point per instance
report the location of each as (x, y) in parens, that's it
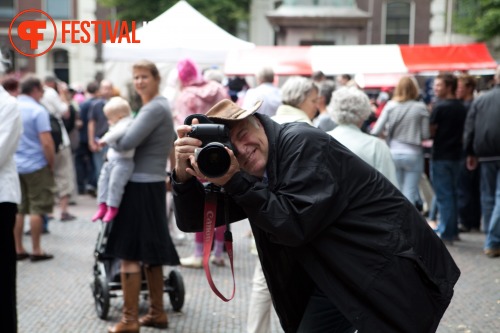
(342, 22)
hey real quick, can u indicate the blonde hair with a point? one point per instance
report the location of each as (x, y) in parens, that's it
(406, 90)
(117, 106)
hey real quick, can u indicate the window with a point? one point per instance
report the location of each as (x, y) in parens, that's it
(397, 27)
(61, 64)
(59, 9)
(333, 3)
(7, 8)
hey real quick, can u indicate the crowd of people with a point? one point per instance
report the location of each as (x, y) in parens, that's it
(329, 178)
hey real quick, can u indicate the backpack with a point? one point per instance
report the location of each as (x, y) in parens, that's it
(56, 131)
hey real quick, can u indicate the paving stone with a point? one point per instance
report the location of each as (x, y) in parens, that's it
(55, 296)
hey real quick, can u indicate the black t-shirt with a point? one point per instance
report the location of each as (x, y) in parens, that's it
(449, 116)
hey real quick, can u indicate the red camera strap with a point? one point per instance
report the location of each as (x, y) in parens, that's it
(209, 219)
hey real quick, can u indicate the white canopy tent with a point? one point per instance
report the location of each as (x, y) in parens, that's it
(178, 33)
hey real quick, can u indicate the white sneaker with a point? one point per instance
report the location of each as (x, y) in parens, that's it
(192, 262)
(217, 261)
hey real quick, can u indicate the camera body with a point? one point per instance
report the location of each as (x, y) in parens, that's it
(212, 158)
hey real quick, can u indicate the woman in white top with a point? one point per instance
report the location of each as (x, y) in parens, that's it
(350, 108)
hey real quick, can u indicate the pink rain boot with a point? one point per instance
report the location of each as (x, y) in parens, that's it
(100, 212)
(110, 214)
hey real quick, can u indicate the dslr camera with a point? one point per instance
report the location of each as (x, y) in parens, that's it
(212, 158)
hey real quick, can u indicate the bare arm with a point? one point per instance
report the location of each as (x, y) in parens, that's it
(48, 148)
(91, 133)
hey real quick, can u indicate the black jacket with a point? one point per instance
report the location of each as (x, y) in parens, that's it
(481, 134)
(327, 218)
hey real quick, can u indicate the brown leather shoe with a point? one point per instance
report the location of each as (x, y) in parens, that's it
(125, 327)
(158, 321)
(492, 253)
(131, 285)
(156, 317)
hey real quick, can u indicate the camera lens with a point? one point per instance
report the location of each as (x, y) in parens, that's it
(213, 160)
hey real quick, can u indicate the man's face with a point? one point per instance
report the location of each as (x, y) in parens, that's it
(37, 93)
(251, 146)
(440, 89)
(106, 89)
(462, 90)
(310, 104)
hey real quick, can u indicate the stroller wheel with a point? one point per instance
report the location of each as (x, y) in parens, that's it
(175, 288)
(100, 290)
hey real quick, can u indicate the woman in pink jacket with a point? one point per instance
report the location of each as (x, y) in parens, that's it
(198, 96)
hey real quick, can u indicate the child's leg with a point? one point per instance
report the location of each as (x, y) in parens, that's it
(120, 173)
(102, 183)
(102, 192)
(219, 241)
(198, 244)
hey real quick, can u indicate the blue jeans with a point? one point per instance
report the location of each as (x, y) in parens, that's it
(433, 210)
(409, 169)
(490, 203)
(84, 164)
(469, 197)
(444, 174)
(321, 315)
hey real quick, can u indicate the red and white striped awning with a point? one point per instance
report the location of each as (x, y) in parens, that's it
(377, 65)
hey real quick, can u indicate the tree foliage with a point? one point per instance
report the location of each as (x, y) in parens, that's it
(225, 13)
(479, 18)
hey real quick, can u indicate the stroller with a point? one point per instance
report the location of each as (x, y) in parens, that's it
(106, 283)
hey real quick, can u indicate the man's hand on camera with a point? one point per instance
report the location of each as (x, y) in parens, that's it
(184, 149)
(234, 167)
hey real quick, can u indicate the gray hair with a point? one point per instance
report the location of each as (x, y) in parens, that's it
(265, 74)
(253, 120)
(213, 75)
(296, 89)
(326, 89)
(350, 106)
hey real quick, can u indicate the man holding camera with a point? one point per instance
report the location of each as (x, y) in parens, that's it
(341, 248)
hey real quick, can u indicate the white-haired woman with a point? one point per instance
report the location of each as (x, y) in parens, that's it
(406, 122)
(350, 108)
(299, 96)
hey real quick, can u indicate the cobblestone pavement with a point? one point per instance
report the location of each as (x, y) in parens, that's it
(55, 296)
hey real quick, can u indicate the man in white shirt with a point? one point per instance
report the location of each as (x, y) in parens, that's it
(64, 171)
(265, 91)
(10, 196)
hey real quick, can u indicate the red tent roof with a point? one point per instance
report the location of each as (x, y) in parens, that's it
(419, 58)
(380, 65)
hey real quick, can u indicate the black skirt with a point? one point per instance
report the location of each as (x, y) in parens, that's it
(139, 231)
